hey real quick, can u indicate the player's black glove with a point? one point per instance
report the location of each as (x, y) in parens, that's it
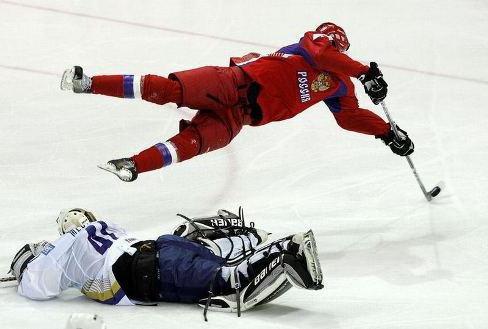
(402, 146)
(374, 84)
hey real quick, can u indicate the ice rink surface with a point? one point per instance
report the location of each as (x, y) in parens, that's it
(391, 259)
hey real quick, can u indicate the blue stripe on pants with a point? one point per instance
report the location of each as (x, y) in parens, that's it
(128, 86)
(165, 153)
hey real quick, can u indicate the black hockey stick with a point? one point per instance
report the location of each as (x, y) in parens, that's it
(438, 188)
(8, 279)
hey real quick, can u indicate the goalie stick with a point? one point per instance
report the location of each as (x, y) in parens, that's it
(4, 282)
(436, 189)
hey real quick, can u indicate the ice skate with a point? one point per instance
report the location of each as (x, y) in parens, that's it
(74, 79)
(124, 168)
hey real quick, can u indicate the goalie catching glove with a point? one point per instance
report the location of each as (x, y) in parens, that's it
(401, 145)
(26, 254)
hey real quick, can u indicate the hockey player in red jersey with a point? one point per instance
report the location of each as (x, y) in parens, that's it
(253, 91)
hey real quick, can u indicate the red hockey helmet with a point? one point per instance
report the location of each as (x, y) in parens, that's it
(336, 33)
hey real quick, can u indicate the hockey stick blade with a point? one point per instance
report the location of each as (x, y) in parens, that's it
(8, 282)
(8, 279)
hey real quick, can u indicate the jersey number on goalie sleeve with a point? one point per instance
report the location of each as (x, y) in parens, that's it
(99, 238)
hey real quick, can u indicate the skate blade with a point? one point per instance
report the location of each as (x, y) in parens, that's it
(108, 167)
(123, 174)
(67, 79)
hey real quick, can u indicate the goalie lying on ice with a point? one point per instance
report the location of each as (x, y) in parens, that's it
(217, 254)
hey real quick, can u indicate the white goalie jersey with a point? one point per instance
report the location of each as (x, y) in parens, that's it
(82, 259)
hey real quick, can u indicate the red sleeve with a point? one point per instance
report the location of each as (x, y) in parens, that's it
(362, 121)
(326, 57)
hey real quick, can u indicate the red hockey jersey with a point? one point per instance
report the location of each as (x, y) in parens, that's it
(299, 76)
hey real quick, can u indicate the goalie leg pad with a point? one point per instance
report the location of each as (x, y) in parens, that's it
(302, 265)
(268, 293)
(226, 235)
(262, 277)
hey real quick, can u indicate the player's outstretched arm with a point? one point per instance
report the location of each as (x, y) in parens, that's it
(366, 122)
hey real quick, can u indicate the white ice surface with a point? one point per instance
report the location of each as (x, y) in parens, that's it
(391, 259)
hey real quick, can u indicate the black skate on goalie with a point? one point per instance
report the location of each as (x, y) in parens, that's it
(74, 79)
(124, 168)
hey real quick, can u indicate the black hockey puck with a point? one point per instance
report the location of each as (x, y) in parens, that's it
(435, 191)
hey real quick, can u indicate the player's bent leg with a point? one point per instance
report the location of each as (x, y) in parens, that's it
(211, 87)
(170, 269)
(205, 133)
(160, 90)
(186, 269)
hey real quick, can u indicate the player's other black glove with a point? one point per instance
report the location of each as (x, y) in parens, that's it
(402, 146)
(374, 84)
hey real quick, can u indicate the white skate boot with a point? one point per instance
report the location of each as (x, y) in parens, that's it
(74, 79)
(125, 169)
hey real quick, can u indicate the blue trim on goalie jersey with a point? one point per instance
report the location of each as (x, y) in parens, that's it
(128, 86)
(333, 102)
(296, 49)
(165, 154)
(47, 248)
(115, 299)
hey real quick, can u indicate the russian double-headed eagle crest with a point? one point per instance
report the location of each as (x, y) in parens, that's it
(321, 83)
